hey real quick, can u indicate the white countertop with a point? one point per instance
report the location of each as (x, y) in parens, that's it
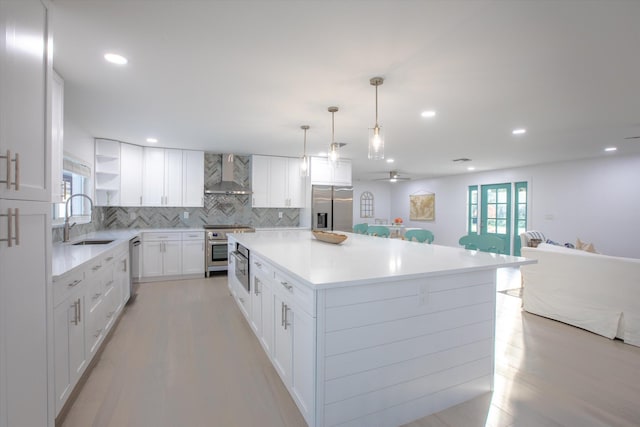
(363, 259)
(65, 256)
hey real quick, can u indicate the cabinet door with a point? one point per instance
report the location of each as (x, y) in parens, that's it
(193, 257)
(278, 185)
(173, 178)
(152, 258)
(260, 181)
(321, 171)
(342, 173)
(77, 345)
(193, 178)
(282, 338)
(172, 257)
(153, 176)
(302, 380)
(130, 175)
(25, 298)
(63, 316)
(295, 184)
(268, 320)
(255, 316)
(24, 118)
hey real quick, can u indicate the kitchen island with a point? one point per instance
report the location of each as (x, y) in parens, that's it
(371, 332)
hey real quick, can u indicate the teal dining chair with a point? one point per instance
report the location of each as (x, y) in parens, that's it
(360, 228)
(378, 230)
(420, 235)
(484, 243)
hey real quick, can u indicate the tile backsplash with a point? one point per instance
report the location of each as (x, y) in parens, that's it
(218, 209)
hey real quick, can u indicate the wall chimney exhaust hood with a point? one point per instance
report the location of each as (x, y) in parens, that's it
(227, 185)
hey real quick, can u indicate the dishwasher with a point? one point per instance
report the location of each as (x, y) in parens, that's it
(134, 263)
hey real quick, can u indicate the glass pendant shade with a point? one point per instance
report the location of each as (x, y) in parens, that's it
(304, 160)
(376, 143)
(376, 138)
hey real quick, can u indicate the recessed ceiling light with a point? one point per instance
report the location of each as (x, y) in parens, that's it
(610, 149)
(471, 168)
(519, 131)
(152, 140)
(429, 113)
(114, 58)
(390, 160)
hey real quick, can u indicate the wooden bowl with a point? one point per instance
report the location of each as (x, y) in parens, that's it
(325, 236)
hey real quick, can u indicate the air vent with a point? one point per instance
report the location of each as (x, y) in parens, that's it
(462, 159)
(633, 137)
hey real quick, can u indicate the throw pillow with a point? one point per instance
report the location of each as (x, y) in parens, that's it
(588, 247)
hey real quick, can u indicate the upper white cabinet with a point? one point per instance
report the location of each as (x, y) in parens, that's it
(192, 178)
(107, 172)
(324, 174)
(57, 138)
(130, 175)
(276, 182)
(25, 149)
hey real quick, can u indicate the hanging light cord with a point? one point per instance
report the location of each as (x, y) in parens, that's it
(376, 106)
(305, 143)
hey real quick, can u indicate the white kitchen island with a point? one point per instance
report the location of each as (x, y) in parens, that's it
(371, 332)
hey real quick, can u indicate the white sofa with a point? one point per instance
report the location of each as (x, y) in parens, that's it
(595, 292)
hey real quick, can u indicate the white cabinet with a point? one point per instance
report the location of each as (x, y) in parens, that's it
(130, 175)
(322, 173)
(161, 177)
(57, 137)
(172, 254)
(281, 313)
(193, 178)
(25, 131)
(276, 182)
(87, 301)
(107, 165)
(193, 253)
(26, 309)
(161, 254)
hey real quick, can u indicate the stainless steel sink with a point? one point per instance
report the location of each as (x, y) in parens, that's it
(92, 242)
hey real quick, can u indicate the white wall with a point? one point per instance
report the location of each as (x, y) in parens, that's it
(596, 200)
(381, 200)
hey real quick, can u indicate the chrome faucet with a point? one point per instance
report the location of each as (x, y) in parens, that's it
(67, 227)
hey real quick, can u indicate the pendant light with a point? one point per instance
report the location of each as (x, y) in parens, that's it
(304, 161)
(376, 139)
(334, 148)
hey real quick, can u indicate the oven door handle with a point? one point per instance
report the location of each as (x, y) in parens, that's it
(241, 262)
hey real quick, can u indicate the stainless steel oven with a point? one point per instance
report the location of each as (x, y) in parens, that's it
(241, 255)
(216, 254)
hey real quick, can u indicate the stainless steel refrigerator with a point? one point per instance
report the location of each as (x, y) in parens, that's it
(332, 208)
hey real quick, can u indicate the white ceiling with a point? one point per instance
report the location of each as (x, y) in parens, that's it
(242, 76)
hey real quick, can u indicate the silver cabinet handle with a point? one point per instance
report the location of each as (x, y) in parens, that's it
(72, 284)
(13, 224)
(16, 160)
(256, 282)
(286, 316)
(282, 314)
(75, 313)
(96, 267)
(109, 259)
(140, 200)
(79, 311)
(257, 264)
(97, 334)
(96, 296)
(287, 285)
(108, 283)
(241, 299)
(124, 265)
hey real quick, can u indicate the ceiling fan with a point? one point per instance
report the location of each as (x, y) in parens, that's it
(394, 176)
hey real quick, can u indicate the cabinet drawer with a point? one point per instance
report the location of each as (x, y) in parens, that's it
(260, 265)
(303, 297)
(64, 285)
(168, 235)
(193, 235)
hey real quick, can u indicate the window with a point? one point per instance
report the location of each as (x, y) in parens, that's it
(521, 215)
(75, 180)
(366, 205)
(472, 210)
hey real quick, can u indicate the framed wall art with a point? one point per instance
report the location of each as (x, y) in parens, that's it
(422, 207)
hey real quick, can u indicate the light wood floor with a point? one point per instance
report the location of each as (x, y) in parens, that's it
(183, 355)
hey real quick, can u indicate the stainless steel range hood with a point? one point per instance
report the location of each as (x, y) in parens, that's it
(227, 185)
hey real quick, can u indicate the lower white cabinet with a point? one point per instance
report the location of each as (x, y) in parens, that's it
(280, 312)
(172, 254)
(87, 302)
